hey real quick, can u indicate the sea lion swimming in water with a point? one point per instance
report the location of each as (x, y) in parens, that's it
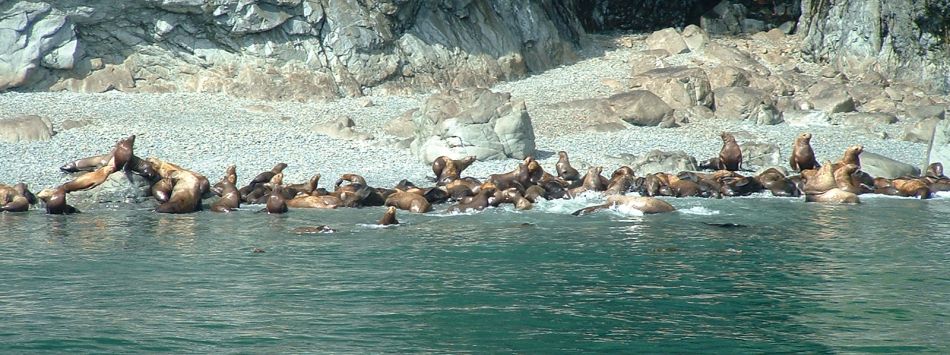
(730, 155)
(803, 157)
(647, 205)
(389, 218)
(479, 202)
(409, 201)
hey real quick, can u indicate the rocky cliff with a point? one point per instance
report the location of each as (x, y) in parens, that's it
(279, 49)
(906, 40)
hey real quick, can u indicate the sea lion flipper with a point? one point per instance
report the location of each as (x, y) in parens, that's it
(589, 210)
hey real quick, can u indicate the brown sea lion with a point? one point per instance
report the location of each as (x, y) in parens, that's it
(803, 157)
(86, 164)
(185, 195)
(230, 176)
(842, 192)
(592, 181)
(230, 197)
(820, 181)
(478, 202)
(935, 170)
(647, 205)
(320, 202)
(447, 169)
(91, 179)
(409, 201)
(389, 217)
(910, 187)
(515, 197)
(564, 169)
(518, 178)
(777, 183)
(730, 156)
(275, 201)
(303, 188)
(162, 190)
(852, 155)
(266, 176)
(55, 201)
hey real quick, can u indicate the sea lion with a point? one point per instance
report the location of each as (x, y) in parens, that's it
(852, 155)
(515, 197)
(592, 181)
(389, 217)
(911, 187)
(409, 201)
(320, 202)
(162, 190)
(55, 201)
(935, 170)
(564, 169)
(91, 179)
(186, 193)
(447, 169)
(268, 175)
(820, 181)
(86, 164)
(777, 183)
(230, 176)
(303, 188)
(230, 197)
(838, 194)
(518, 178)
(647, 205)
(730, 156)
(275, 201)
(803, 157)
(478, 202)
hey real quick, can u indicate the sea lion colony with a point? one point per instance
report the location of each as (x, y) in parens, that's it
(179, 190)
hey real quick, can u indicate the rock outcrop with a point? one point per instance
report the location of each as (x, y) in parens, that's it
(479, 122)
(26, 128)
(907, 40)
(280, 49)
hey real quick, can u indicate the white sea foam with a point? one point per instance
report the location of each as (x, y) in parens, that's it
(699, 211)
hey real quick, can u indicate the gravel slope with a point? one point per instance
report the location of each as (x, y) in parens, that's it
(207, 132)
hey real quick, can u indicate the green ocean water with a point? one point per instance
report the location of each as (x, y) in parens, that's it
(795, 277)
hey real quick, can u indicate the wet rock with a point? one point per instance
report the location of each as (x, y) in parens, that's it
(119, 187)
(640, 108)
(668, 39)
(679, 87)
(878, 165)
(478, 122)
(26, 128)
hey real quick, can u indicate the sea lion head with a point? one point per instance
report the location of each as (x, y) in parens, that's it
(279, 167)
(805, 137)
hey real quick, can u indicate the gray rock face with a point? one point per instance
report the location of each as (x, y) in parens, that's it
(907, 38)
(940, 145)
(479, 122)
(26, 128)
(120, 187)
(878, 165)
(280, 49)
(680, 87)
(34, 35)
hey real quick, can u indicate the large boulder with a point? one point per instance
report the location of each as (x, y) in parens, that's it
(26, 128)
(479, 122)
(878, 165)
(743, 103)
(833, 100)
(668, 39)
(656, 161)
(727, 76)
(640, 108)
(807, 118)
(921, 131)
(939, 150)
(680, 87)
(760, 154)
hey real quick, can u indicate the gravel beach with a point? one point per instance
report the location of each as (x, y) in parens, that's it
(205, 133)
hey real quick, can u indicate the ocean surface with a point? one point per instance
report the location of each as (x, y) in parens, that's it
(736, 275)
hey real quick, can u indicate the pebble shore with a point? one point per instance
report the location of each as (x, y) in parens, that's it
(207, 132)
